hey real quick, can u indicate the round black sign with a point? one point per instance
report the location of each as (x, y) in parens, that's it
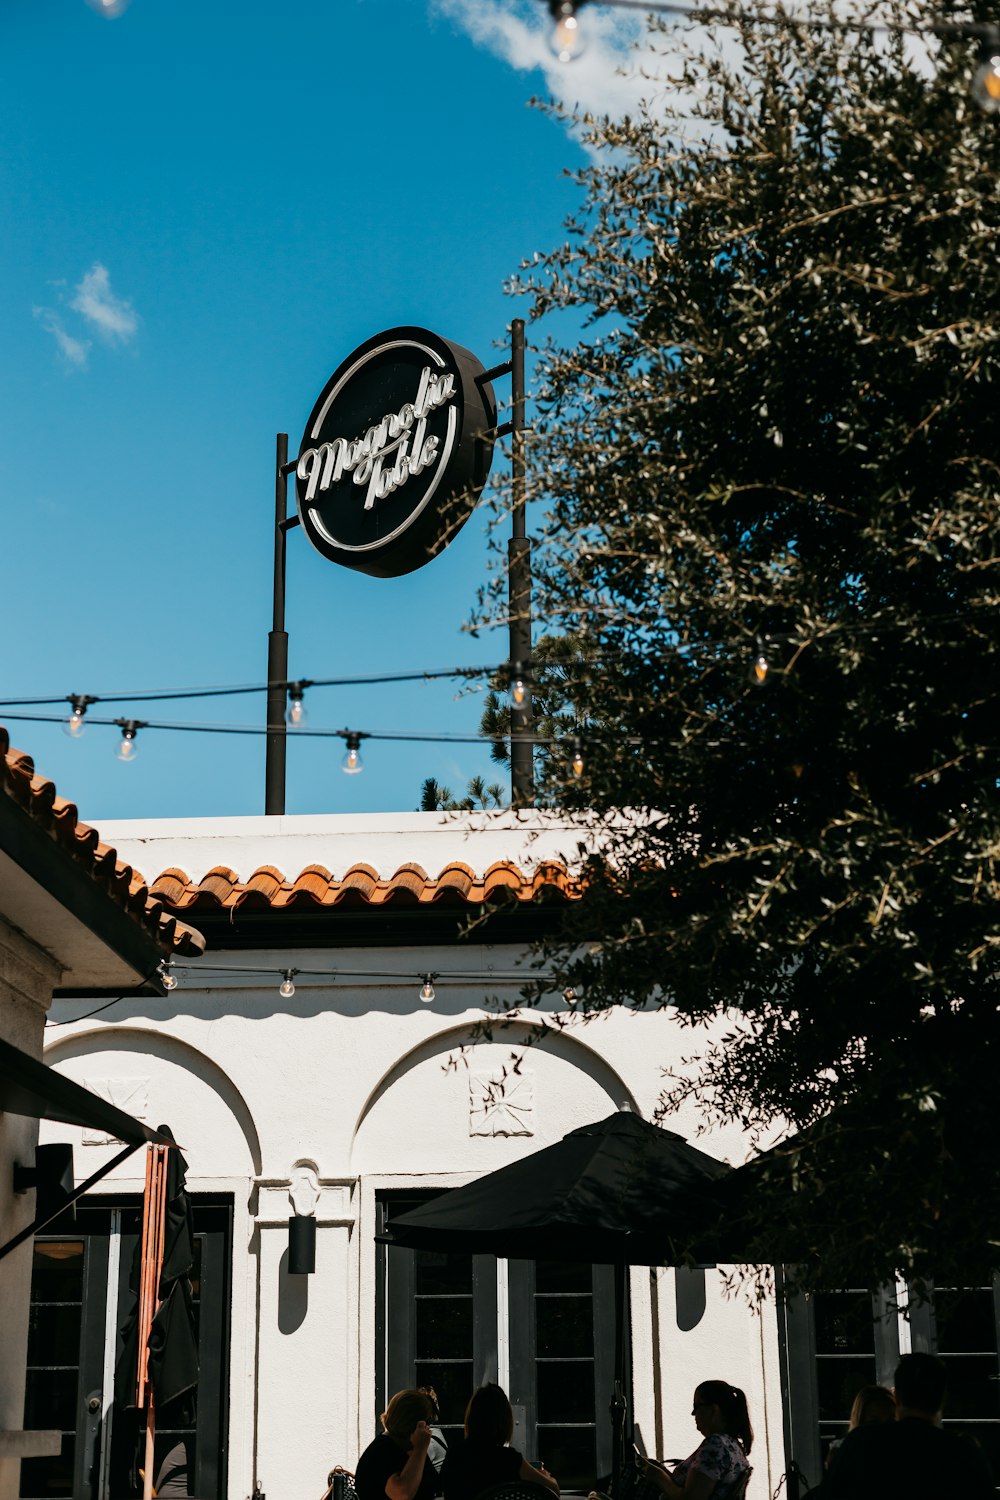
(396, 452)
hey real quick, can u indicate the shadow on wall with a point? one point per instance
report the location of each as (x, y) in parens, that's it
(293, 1298)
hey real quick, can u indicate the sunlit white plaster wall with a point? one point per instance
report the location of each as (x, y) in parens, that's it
(374, 1087)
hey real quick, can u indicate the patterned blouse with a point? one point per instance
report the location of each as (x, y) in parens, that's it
(721, 1458)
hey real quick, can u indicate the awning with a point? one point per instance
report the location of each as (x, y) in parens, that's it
(29, 1087)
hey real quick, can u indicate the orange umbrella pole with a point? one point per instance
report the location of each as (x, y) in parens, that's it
(154, 1216)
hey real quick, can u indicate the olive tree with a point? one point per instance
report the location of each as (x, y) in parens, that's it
(763, 484)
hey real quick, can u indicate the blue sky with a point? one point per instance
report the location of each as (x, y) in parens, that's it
(205, 208)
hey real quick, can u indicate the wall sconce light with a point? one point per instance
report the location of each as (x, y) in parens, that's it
(303, 1192)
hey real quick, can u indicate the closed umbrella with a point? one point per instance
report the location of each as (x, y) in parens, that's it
(618, 1192)
(159, 1358)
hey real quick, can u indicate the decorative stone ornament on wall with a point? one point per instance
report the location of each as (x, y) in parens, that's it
(501, 1106)
(396, 452)
(129, 1094)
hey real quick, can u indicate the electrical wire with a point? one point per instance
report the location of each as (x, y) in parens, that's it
(464, 975)
(125, 995)
(163, 694)
(958, 29)
(872, 627)
(402, 735)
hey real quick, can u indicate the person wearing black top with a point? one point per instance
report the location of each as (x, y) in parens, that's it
(482, 1458)
(912, 1456)
(395, 1466)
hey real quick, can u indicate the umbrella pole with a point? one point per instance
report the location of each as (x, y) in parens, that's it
(618, 1403)
(147, 1477)
(153, 1228)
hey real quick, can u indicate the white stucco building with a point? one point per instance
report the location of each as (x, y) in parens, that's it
(354, 1096)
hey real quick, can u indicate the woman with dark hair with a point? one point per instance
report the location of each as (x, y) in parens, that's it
(718, 1466)
(483, 1457)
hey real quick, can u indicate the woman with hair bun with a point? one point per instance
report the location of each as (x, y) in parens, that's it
(718, 1466)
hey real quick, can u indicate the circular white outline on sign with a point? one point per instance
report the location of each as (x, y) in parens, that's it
(315, 518)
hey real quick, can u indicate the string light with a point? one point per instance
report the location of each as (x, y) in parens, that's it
(351, 763)
(518, 684)
(576, 758)
(761, 666)
(167, 977)
(128, 749)
(286, 989)
(74, 725)
(985, 86)
(567, 41)
(427, 989)
(296, 708)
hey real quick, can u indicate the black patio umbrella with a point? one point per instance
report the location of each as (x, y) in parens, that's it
(620, 1192)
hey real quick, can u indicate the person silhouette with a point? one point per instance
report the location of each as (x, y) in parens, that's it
(912, 1455)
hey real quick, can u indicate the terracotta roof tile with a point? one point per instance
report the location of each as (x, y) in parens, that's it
(59, 818)
(456, 884)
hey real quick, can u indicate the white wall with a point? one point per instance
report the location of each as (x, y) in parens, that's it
(370, 1085)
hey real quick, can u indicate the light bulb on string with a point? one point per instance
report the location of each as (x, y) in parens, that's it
(576, 762)
(427, 989)
(74, 725)
(567, 41)
(352, 763)
(518, 684)
(127, 749)
(167, 977)
(297, 714)
(286, 989)
(761, 666)
(985, 86)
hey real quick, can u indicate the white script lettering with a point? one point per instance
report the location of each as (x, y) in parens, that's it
(395, 449)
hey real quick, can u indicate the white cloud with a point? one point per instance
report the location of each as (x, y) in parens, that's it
(604, 80)
(114, 318)
(74, 351)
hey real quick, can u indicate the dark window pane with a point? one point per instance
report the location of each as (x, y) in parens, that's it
(565, 1391)
(965, 1322)
(50, 1399)
(54, 1335)
(436, 1271)
(570, 1454)
(562, 1276)
(564, 1326)
(839, 1381)
(57, 1271)
(444, 1327)
(453, 1384)
(42, 1478)
(973, 1390)
(844, 1323)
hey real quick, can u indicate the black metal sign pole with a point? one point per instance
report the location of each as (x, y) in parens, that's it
(522, 780)
(439, 409)
(277, 647)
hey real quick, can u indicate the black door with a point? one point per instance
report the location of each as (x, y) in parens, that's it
(79, 1297)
